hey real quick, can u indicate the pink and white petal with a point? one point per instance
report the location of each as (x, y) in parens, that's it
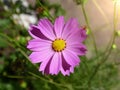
(74, 44)
(55, 64)
(70, 27)
(34, 43)
(71, 57)
(37, 57)
(58, 26)
(74, 38)
(46, 28)
(39, 44)
(64, 64)
(35, 32)
(45, 65)
(64, 67)
(47, 68)
(78, 49)
(77, 37)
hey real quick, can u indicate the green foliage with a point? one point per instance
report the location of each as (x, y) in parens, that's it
(18, 73)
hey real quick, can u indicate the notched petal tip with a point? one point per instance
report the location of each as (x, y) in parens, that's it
(83, 50)
(68, 72)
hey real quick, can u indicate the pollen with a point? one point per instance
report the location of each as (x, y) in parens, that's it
(58, 45)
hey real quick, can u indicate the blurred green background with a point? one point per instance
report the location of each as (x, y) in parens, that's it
(97, 71)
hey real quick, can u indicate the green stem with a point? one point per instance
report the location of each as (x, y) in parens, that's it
(105, 58)
(115, 23)
(87, 22)
(86, 66)
(26, 56)
(23, 53)
(46, 10)
(13, 44)
(51, 81)
(68, 86)
(5, 36)
(8, 40)
(98, 66)
(15, 77)
(111, 42)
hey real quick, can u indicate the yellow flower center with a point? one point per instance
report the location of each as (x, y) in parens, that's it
(58, 45)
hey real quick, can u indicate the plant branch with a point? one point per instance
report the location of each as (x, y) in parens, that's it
(105, 58)
(87, 22)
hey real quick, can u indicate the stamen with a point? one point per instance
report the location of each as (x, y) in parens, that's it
(58, 45)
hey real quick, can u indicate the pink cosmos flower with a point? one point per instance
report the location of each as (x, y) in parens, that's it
(57, 46)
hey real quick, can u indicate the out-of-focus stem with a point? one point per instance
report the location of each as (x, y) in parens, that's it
(51, 81)
(5, 36)
(87, 22)
(115, 23)
(101, 11)
(46, 10)
(108, 50)
(112, 40)
(13, 44)
(15, 76)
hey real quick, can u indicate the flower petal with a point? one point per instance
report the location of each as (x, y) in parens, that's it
(77, 37)
(79, 49)
(46, 28)
(71, 69)
(58, 26)
(37, 57)
(70, 27)
(45, 65)
(39, 44)
(64, 64)
(67, 72)
(35, 32)
(47, 68)
(71, 57)
(55, 64)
